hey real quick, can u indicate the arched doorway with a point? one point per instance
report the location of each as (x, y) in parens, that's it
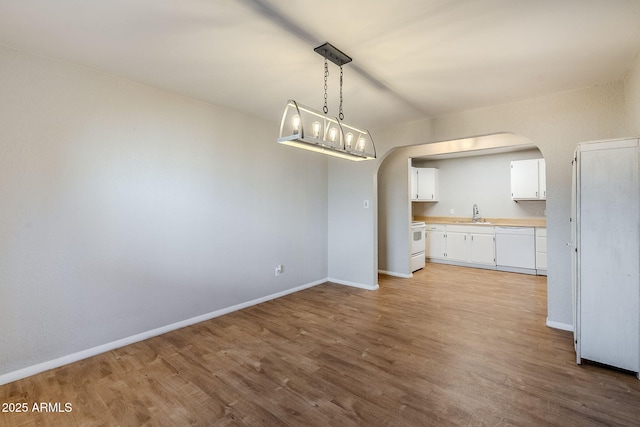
(395, 210)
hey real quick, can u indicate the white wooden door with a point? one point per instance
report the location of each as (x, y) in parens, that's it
(413, 191)
(524, 179)
(609, 250)
(435, 244)
(426, 184)
(542, 179)
(573, 244)
(482, 249)
(457, 247)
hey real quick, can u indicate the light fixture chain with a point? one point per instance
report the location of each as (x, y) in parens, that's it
(341, 114)
(326, 74)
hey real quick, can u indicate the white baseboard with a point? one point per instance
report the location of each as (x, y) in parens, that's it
(394, 274)
(354, 284)
(558, 325)
(84, 354)
(517, 270)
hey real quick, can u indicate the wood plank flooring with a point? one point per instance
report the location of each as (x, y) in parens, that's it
(452, 346)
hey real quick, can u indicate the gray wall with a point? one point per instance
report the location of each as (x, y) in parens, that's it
(483, 180)
(632, 98)
(125, 208)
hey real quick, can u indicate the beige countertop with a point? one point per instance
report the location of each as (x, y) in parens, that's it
(515, 222)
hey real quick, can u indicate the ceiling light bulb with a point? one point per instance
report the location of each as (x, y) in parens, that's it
(361, 143)
(296, 123)
(349, 139)
(316, 129)
(332, 134)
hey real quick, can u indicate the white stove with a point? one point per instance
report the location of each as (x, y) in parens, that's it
(417, 245)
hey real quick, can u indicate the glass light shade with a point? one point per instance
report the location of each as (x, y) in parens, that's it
(306, 128)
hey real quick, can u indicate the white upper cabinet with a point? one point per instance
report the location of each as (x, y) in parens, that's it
(528, 180)
(542, 179)
(424, 184)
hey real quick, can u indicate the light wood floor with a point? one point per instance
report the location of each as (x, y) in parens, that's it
(453, 346)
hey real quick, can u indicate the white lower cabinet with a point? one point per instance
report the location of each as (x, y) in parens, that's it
(435, 244)
(541, 251)
(457, 246)
(482, 249)
(472, 245)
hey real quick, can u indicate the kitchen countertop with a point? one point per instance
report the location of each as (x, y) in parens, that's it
(507, 222)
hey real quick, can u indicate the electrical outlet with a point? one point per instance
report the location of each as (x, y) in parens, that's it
(279, 269)
(452, 211)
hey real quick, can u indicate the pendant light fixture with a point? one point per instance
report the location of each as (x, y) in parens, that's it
(303, 127)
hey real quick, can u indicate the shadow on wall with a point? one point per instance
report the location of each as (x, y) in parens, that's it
(394, 205)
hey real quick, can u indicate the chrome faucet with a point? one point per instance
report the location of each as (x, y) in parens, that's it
(476, 214)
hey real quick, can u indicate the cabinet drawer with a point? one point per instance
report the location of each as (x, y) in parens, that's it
(541, 261)
(435, 227)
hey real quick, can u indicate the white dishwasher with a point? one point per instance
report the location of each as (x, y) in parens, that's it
(516, 249)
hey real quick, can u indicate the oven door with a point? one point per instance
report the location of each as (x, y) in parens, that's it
(417, 239)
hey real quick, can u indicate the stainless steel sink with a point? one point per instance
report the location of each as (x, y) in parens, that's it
(473, 223)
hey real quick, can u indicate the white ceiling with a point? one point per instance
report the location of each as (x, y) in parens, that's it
(411, 58)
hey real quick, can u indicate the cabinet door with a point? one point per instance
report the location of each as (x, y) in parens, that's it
(482, 249)
(427, 184)
(424, 184)
(608, 251)
(541, 249)
(457, 247)
(413, 192)
(435, 244)
(524, 179)
(542, 179)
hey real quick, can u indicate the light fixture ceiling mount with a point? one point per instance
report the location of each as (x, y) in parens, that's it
(333, 54)
(303, 127)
